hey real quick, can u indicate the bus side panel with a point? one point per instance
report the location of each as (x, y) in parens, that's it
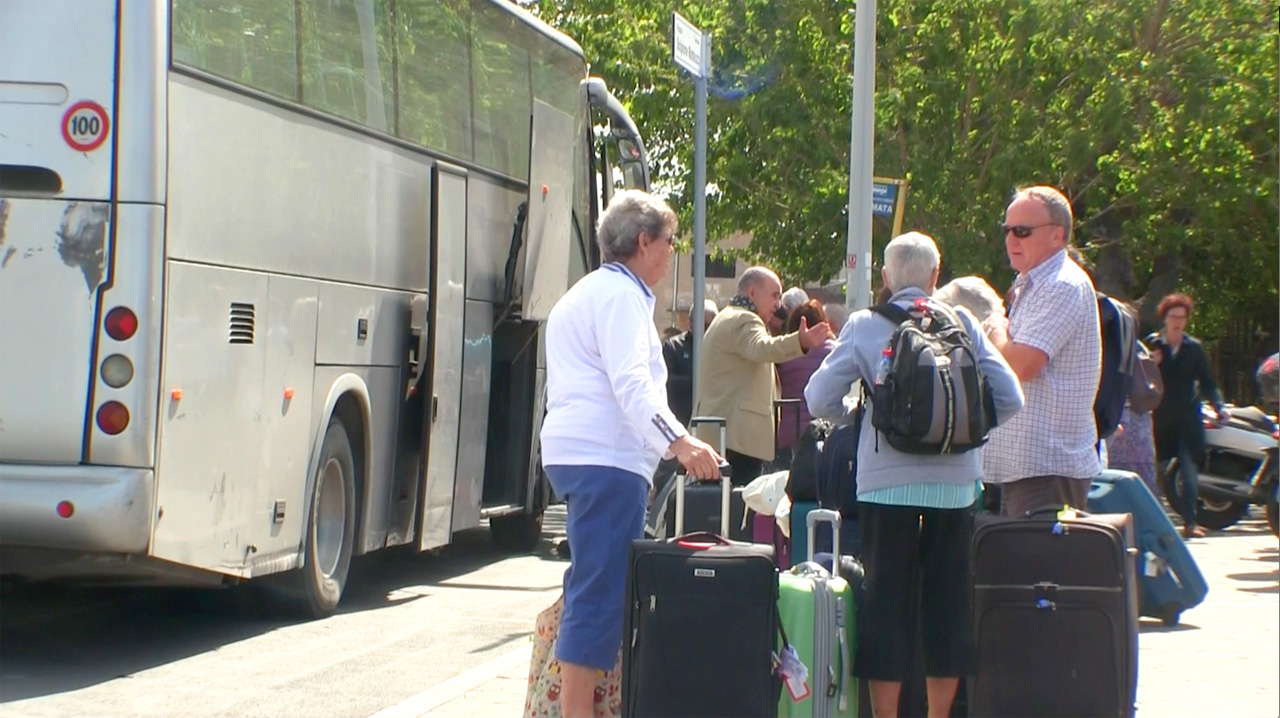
(144, 61)
(257, 186)
(287, 424)
(212, 432)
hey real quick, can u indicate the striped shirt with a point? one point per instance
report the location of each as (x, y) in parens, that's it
(932, 496)
(606, 379)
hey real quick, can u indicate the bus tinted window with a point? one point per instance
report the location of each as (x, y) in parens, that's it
(433, 63)
(251, 42)
(556, 75)
(346, 59)
(500, 81)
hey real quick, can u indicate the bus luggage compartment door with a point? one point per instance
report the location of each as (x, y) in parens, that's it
(546, 262)
(445, 322)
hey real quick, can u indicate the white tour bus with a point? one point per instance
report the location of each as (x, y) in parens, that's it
(272, 279)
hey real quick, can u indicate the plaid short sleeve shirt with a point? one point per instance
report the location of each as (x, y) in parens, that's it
(1052, 308)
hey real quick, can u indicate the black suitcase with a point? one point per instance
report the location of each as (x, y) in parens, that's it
(704, 502)
(701, 627)
(1056, 616)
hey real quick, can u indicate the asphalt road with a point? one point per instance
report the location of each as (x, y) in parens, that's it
(408, 622)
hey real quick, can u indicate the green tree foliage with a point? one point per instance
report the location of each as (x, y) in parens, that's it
(1158, 118)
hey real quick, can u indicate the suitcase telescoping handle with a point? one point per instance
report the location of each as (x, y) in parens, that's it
(778, 406)
(726, 488)
(826, 516)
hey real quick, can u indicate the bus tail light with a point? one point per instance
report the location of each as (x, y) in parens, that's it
(117, 371)
(121, 323)
(113, 417)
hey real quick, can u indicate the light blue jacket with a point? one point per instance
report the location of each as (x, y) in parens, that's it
(854, 358)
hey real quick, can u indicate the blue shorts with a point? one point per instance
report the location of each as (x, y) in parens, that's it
(606, 513)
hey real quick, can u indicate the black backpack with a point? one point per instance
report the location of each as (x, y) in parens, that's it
(837, 477)
(935, 398)
(802, 478)
(1119, 339)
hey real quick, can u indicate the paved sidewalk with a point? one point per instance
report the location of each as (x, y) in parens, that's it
(1222, 660)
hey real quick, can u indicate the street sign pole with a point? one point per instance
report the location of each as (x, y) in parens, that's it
(691, 49)
(858, 244)
(696, 312)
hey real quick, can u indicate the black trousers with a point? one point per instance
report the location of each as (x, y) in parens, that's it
(745, 468)
(917, 562)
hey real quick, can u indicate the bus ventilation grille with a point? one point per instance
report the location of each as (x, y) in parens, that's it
(241, 323)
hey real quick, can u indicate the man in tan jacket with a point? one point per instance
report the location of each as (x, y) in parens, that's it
(736, 379)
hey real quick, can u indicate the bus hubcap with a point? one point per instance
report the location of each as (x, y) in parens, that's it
(330, 517)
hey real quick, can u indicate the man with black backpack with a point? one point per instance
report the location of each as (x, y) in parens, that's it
(1048, 454)
(936, 387)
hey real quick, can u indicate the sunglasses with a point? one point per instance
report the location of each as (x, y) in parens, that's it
(1022, 231)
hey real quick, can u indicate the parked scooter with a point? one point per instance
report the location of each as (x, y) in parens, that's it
(1266, 488)
(1239, 458)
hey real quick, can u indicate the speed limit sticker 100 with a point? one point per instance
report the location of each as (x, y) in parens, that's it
(85, 125)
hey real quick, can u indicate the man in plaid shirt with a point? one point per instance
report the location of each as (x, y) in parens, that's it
(1046, 455)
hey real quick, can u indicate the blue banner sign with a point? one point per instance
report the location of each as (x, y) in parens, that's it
(884, 197)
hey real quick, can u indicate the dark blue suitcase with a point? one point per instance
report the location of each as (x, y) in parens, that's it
(1169, 581)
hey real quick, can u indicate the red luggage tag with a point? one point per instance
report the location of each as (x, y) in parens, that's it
(794, 674)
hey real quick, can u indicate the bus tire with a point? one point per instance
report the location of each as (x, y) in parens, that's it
(314, 590)
(520, 533)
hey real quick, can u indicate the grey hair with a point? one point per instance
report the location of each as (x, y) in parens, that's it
(793, 298)
(972, 293)
(754, 276)
(1056, 203)
(910, 260)
(837, 315)
(630, 213)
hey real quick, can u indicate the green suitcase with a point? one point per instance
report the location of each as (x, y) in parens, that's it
(817, 613)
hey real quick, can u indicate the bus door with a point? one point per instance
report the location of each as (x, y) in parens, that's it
(446, 306)
(57, 118)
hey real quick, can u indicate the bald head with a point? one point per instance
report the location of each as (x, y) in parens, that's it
(756, 275)
(763, 287)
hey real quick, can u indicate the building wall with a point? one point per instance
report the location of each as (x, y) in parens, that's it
(675, 292)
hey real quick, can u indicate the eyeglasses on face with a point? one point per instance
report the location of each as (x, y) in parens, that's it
(1022, 231)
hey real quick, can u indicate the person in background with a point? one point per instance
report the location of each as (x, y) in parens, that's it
(1179, 430)
(607, 425)
(1048, 454)
(979, 297)
(837, 314)
(793, 375)
(677, 352)
(1268, 378)
(793, 299)
(736, 379)
(972, 293)
(916, 510)
(1132, 447)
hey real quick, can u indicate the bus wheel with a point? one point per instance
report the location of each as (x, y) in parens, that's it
(520, 533)
(517, 533)
(314, 590)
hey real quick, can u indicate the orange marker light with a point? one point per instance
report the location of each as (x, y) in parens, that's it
(176, 393)
(288, 392)
(545, 189)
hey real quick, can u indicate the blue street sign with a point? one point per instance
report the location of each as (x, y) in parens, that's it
(884, 197)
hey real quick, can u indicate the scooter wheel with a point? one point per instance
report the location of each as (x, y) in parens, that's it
(1171, 615)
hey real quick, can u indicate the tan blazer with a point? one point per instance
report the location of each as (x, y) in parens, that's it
(736, 380)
